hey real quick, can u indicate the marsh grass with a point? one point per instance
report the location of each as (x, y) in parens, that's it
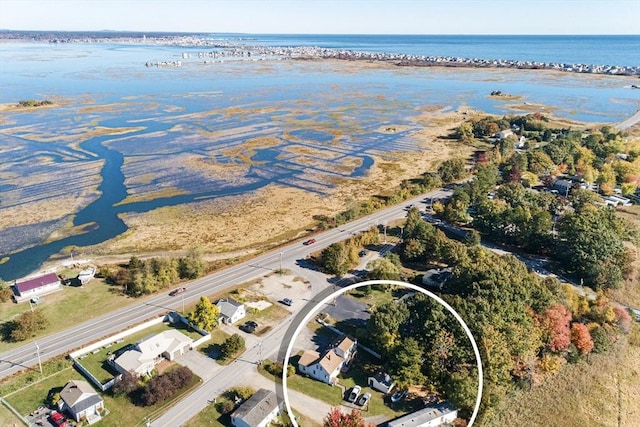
(596, 392)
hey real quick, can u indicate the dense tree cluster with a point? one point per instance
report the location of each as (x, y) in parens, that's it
(165, 386)
(143, 277)
(422, 343)
(26, 326)
(525, 326)
(342, 256)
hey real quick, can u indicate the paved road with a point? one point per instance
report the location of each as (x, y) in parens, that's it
(91, 330)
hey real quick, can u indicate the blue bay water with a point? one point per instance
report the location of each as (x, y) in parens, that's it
(87, 74)
(623, 50)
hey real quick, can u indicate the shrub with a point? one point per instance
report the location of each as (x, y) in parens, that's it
(231, 346)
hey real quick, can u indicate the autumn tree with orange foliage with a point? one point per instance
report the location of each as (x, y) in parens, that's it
(336, 418)
(581, 338)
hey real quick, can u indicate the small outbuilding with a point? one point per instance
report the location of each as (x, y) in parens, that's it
(381, 381)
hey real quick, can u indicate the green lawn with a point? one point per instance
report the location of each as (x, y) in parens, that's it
(360, 370)
(7, 418)
(209, 417)
(122, 411)
(213, 345)
(64, 308)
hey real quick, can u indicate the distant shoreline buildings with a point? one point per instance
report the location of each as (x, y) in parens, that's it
(240, 48)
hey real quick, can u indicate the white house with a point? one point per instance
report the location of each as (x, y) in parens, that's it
(37, 286)
(150, 351)
(381, 381)
(80, 400)
(327, 366)
(258, 411)
(230, 310)
(431, 416)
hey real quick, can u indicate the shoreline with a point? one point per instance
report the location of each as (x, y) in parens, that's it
(241, 48)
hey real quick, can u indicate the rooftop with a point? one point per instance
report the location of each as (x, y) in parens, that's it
(255, 409)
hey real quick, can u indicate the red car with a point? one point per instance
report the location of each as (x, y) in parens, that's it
(58, 419)
(309, 242)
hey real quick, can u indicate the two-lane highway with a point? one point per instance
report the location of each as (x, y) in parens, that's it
(94, 329)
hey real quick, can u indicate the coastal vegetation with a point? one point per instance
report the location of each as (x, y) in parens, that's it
(143, 277)
(34, 103)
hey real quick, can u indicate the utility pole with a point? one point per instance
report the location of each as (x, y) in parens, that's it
(385, 233)
(281, 262)
(401, 232)
(38, 353)
(182, 303)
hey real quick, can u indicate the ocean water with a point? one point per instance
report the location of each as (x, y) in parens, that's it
(623, 50)
(297, 103)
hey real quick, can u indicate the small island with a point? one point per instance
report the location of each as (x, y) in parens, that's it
(33, 103)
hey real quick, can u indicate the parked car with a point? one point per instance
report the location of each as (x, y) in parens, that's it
(249, 327)
(287, 301)
(309, 242)
(178, 291)
(58, 419)
(355, 391)
(364, 399)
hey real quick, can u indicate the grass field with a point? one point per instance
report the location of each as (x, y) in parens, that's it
(64, 308)
(122, 411)
(7, 418)
(605, 391)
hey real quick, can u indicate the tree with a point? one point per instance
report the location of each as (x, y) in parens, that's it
(451, 170)
(127, 384)
(27, 325)
(193, 265)
(336, 418)
(581, 338)
(338, 258)
(382, 269)
(206, 314)
(464, 132)
(405, 363)
(591, 244)
(461, 391)
(231, 346)
(555, 323)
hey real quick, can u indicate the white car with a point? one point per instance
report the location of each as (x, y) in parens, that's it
(354, 394)
(364, 399)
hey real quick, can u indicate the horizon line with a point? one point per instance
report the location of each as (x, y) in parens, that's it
(323, 34)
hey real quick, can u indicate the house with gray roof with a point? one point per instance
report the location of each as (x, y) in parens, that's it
(81, 401)
(258, 411)
(441, 414)
(230, 310)
(381, 381)
(147, 353)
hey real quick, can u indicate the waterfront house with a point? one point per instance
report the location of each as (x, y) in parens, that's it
(146, 354)
(258, 411)
(81, 401)
(36, 286)
(230, 310)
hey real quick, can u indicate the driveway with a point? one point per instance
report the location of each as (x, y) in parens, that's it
(201, 365)
(345, 308)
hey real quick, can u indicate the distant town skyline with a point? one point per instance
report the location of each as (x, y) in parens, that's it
(327, 16)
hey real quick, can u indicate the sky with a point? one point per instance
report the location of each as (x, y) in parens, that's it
(327, 16)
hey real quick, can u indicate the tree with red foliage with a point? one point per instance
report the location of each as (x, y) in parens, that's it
(581, 338)
(336, 418)
(556, 324)
(623, 318)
